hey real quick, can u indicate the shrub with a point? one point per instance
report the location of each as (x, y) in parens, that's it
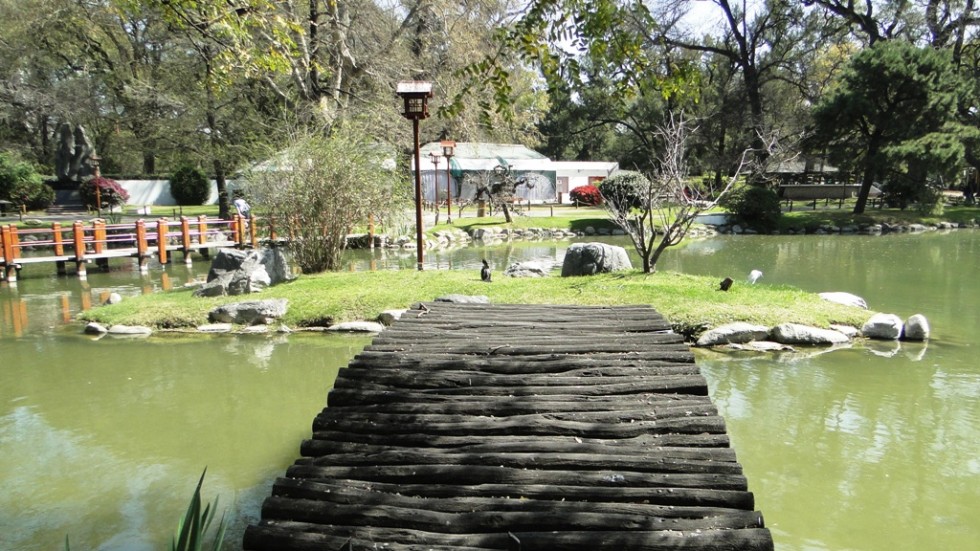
(586, 195)
(757, 207)
(33, 193)
(625, 189)
(111, 194)
(14, 172)
(189, 186)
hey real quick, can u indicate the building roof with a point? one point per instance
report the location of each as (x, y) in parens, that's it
(473, 150)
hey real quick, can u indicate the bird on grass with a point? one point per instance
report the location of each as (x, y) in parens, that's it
(754, 276)
(485, 271)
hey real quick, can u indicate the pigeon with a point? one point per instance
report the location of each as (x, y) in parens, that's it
(485, 271)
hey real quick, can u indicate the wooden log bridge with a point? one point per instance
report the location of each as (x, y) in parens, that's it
(516, 427)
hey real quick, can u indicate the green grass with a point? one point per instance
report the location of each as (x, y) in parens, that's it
(691, 303)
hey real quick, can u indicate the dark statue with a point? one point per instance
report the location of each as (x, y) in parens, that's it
(74, 151)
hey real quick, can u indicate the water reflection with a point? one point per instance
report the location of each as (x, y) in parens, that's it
(869, 446)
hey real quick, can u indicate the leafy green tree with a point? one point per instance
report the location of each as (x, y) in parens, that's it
(893, 103)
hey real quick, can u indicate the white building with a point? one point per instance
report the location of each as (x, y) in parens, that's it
(554, 179)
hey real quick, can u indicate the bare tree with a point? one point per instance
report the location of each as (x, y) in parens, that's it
(657, 212)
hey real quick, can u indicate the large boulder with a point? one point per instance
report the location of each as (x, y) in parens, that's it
(794, 333)
(737, 332)
(526, 269)
(916, 328)
(594, 258)
(883, 326)
(240, 272)
(253, 312)
(847, 299)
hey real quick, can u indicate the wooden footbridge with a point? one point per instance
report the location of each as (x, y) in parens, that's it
(98, 241)
(547, 428)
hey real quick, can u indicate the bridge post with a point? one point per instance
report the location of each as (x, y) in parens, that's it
(99, 243)
(252, 231)
(162, 241)
(185, 238)
(78, 240)
(202, 235)
(142, 249)
(59, 247)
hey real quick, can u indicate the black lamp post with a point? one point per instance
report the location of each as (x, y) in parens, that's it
(448, 148)
(434, 157)
(416, 95)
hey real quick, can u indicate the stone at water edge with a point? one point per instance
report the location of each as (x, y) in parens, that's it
(883, 326)
(738, 332)
(795, 333)
(254, 312)
(389, 317)
(916, 328)
(847, 299)
(357, 327)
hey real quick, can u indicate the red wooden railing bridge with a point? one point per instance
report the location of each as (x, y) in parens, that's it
(98, 241)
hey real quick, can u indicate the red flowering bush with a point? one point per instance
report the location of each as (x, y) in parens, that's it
(586, 195)
(111, 194)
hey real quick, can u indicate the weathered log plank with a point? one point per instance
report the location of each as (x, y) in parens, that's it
(678, 384)
(542, 426)
(651, 462)
(477, 474)
(276, 535)
(503, 407)
(630, 415)
(355, 397)
(639, 442)
(367, 494)
(422, 379)
(518, 349)
(316, 447)
(376, 515)
(664, 496)
(530, 364)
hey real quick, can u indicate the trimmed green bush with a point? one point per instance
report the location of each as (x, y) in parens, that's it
(625, 189)
(756, 207)
(190, 186)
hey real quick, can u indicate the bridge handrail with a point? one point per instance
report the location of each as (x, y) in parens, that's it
(94, 238)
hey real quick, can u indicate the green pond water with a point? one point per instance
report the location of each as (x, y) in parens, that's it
(872, 447)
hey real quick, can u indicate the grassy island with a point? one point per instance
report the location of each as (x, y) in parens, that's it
(691, 303)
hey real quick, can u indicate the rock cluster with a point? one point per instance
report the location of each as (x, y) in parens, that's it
(878, 327)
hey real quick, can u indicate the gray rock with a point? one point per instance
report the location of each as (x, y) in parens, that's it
(847, 299)
(238, 272)
(594, 258)
(846, 330)
(254, 312)
(916, 328)
(93, 328)
(389, 317)
(130, 330)
(761, 346)
(737, 332)
(464, 299)
(883, 326)
(794, 333)
(255, 329)
(214, 328)
(114, 298)
(526, 269)
(357, 327)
